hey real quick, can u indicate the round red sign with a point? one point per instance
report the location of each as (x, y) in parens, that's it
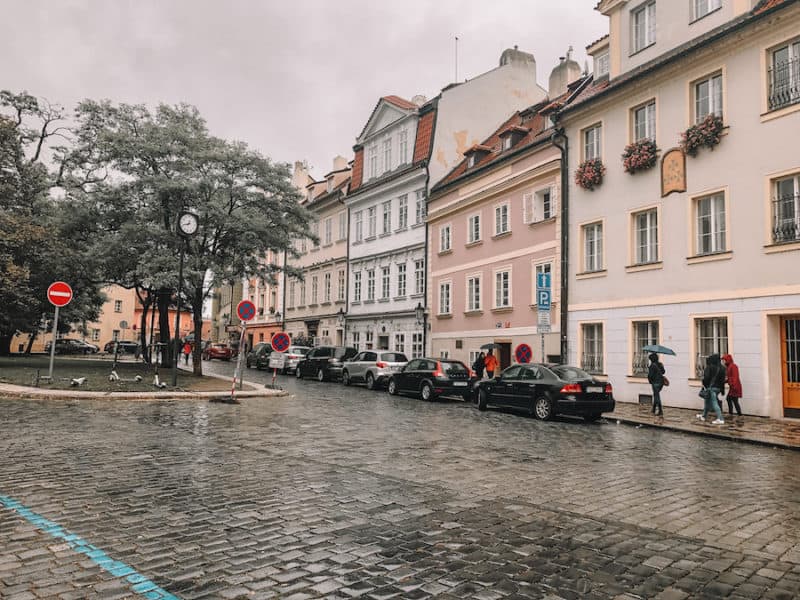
(246, 310)
(280, 342)
(523, 353)
(59, 293)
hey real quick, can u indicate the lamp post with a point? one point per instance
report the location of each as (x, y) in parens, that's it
(340, 319)
(187, 227)
(422, 317)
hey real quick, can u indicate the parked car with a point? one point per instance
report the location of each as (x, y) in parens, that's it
(258, 350)
(545, 391)
(285, 362)
(220, 351)
(124, 347)
(373, 367)
(72, 346)
(432, 377)
(324, 362)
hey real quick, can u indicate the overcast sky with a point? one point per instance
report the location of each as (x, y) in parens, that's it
(296, 79)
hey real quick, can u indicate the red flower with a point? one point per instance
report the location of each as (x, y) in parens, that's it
(590, 173)
(640, 156)
(706, 133)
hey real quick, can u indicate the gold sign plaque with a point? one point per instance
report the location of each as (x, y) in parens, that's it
(673, 172)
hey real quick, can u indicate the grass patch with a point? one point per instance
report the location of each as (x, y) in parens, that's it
(21, 370)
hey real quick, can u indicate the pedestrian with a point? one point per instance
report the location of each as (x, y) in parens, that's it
(490, 362)
(734, 385)
(655, 375)
(187, 350)
(479, 365)
(713, 382)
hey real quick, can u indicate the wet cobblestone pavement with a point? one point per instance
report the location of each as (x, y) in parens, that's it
(342, 492)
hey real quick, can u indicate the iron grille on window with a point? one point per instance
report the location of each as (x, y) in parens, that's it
(592, 363)
(784, 83)
(640, 364)
(786, 218)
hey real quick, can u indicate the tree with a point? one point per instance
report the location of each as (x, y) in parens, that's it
(165, 161)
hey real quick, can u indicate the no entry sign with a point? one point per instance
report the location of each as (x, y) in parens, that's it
(280, 342)
(523, 353)
(246, 310)
(59, 293)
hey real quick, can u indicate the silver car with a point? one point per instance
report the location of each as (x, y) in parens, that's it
(373, 367)
(287, 361)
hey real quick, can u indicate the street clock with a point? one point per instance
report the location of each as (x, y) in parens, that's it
(188, 223)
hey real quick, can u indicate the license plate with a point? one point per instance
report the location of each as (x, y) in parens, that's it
(594, 389)
(460, 383)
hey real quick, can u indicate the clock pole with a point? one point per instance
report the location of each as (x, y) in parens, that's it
(177, 350)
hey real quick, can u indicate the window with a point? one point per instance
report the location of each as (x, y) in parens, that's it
(786, 210)
(591, 142)
(372, 160)
(474, 293)
(593, 247)
(704, 7)
(474, 229)
(645, 333)
(445, 238)
(444, 354)
(501, 222)
(302, 293)
(419, 276)
(542, 269)
(711, 337)
(118, 306)
(402, 212)
(327, 287)
(416, 345)
(507, 143)
(371, 284)
(537, 206)
(420, 207)
(601, 65)
(710, 224)
(328, 231)
(387, 154)
(357, 286)
(403, 149)
(784, 76)
(708, 97)
(368, 340)
(444, 298)
(292, 290)
(645, 226)
(401, 279)
(643, 20)
(644, 122)
(359, 226)
(342, 225)
(372, 221)
(95, 335)
(385, 279)
(314, 289)
(356, 340)
(273, 299)
(387, 217)
(341, 288)
(115, 335)
(502, 289)
(399, 342)
(315, 231)
(592, 348)
(472, 160)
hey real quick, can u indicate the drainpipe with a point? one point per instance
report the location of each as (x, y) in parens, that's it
(427, 270)
(560, 141)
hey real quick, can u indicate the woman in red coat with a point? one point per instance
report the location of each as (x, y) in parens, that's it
(734, 384)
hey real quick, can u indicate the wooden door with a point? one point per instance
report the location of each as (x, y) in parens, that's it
(790, 365)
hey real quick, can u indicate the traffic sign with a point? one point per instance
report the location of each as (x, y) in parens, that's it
(543, 281)
(543, 300)
(543, 324)
(246, 310)
(523, 353)
(280, 342)
(59, 293)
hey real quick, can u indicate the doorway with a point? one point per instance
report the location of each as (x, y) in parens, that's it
(504, 354)
(790, 365)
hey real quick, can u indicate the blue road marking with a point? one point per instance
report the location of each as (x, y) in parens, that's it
(139, 583)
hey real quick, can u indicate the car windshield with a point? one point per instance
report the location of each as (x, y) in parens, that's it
(394, 357)
(219, 346)
(570, 373)
(299, 350)
(453, 367)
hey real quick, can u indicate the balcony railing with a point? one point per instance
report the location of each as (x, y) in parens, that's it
(784, 84)
(592, 363)
(786, 219)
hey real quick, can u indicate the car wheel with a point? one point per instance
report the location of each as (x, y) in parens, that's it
(426, 392)
(392, 387)
(320, 375)
(483, 400)
(297, 373)
(592, 417)
(370, 381)
(543, 409)
(345, 377)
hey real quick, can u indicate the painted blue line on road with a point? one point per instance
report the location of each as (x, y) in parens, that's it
(139, 583)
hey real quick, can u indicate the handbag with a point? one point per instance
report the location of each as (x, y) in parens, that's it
(666, 381)
(704, 394)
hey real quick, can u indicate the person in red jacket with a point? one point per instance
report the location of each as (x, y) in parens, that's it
(734, 384)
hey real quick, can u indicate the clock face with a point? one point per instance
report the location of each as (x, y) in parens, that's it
(188, 223)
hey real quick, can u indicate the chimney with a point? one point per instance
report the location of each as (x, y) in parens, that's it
(300, 176)
(562, 75)
(339, 163)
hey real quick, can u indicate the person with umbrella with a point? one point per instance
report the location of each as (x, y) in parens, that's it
(490, 362)
(656, 375)
(479, 365)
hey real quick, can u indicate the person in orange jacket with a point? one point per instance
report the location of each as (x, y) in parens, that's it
(491, 364)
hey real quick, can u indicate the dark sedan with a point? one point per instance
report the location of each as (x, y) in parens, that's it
(324, 362)
(545, 391)
(432, 377)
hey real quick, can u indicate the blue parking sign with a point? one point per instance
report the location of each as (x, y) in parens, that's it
(543, 299)
(543, 281)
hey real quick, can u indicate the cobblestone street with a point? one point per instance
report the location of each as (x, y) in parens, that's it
(342, 492)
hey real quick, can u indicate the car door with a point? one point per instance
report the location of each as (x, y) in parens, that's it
(354, 365)
(503, 391)
(306, 367)
(367, 359)
(525, 386)
(404, 377)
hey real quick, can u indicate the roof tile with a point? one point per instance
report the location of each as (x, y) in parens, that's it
(422, 145)
(357, 176)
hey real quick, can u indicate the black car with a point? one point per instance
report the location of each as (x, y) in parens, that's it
(72, 346)
(259, 351)
(324, 362)
(430, 378)
(545, 391)
(123, 348)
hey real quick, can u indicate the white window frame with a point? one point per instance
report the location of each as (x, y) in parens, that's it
(95, 335)
(386, 282)
(342, 225)
(372, 160)
(356, 336)
(372, 222)
(326, 286)
(702, 8)
(592, 142)
(342, 287)
(592, 247)
(643, 26)
(445, 238)
(370, 285)
(421, 212)
(315, 231)
(717, 231)
(602, 64)
(419, 277)
(387, 154)
(403, 147)
(417, 348)
(593, 346)
(502, 218)
(314, 289)
(502, 288)
(386, 217)
(357, 286)
(302, 293)
(292, 292)
(712, 103)
(358, 226)
(472, 160)
(539, 268)
(474, 228)
(399, 342)
(402, 280)
(785, 73)
(402, 212)
(474, 290)
(445, 297)
(714, 340)
(117, 306)
(785, 209)
(328, 231)
(646, 242)
(640, 338)
(643, 121)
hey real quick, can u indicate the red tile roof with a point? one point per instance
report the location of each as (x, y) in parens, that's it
(400, 102)
(765, 5)
(358, 170)
(424, 141)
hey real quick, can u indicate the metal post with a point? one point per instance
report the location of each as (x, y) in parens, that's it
(53, 345)
(543, 356)
(238, 370)
(176, 352)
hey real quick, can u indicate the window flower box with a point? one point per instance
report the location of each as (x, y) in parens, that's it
(640, 156)
(590, 173)
(707, 133)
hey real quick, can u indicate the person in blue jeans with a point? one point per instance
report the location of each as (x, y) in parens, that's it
(655, 375)
(714, 382)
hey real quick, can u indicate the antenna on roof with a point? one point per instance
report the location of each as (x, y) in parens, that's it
(456, 78)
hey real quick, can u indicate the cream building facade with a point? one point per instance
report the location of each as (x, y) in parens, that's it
(712, 268)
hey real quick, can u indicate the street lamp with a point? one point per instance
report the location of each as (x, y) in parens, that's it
(421, 314)
(188, 224)
(340, 319)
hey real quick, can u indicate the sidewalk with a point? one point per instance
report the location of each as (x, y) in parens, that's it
(758, 430)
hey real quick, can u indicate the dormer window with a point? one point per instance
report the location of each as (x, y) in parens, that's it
(472, 159)
(601, 65)
(507, 143)
(476, 154)
(511, 137)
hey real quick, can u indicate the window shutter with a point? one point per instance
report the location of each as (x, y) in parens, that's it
(553, 201)
(528, 208)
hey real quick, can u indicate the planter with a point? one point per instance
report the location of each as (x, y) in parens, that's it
(590, 173)
(640, 156)
(707, 133)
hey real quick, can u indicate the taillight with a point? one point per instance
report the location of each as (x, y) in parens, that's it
(381, 365)
(292, 356)
(438, 372)
(609, 389)
(571, 388)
